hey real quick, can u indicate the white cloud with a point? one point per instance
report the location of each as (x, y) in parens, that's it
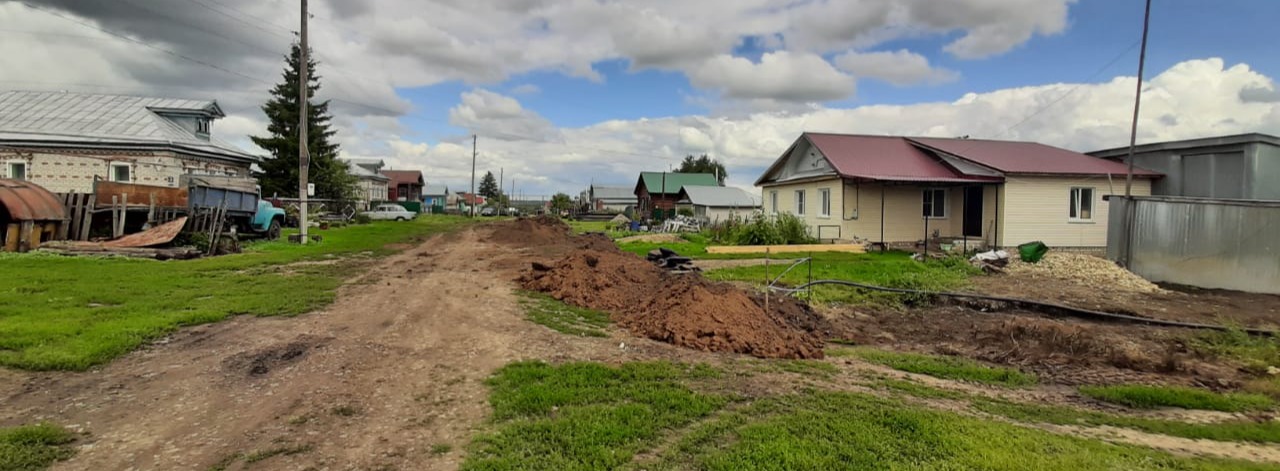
(782, 75)
(901, 67)
(494, 114)
(526, 89)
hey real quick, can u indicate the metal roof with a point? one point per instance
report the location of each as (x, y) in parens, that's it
(78, 119)
(1026, 157)
(654, 181)
(362, 172)
(1237, 139)
(619, 193)
(404, 177)
(719, 197)
(26, 201)
(435, 189)
(886, 158)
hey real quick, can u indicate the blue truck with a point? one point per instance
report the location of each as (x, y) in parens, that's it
(246, 210)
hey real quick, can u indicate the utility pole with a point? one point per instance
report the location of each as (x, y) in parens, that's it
(472, 203)
(501, 207)
(304, 155)
(1137, 100)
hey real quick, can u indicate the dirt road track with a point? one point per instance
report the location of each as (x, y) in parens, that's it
(392, 368)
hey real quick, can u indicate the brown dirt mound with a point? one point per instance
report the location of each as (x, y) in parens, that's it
(684, 310)
(534, 231)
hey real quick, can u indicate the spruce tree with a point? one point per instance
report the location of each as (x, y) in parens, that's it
(489, 186)
(280, 171)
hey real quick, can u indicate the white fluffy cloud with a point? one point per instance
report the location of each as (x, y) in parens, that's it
(798, 77)
(1192, 99)
(901, 67)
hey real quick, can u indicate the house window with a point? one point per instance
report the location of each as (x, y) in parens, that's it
(1081, 204)
(773, 201)
(935, 203)
(202, 126)
(824, 202)
(800, 202)
(121, 173)
(17, 170)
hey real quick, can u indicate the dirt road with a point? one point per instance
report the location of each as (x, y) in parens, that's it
(394, 368)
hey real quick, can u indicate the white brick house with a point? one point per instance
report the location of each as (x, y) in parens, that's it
(64, 141)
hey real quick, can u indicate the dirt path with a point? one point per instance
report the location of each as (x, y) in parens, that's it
(391, 369)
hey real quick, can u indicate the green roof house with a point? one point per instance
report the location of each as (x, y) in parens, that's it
(657, 192)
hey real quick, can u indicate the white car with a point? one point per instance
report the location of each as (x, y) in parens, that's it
(390, 212)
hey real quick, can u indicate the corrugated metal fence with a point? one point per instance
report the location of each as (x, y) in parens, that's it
(1209, 243)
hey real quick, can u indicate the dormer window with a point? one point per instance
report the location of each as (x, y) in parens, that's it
(202, 126)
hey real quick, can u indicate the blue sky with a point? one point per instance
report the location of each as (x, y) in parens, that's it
(1099, 31)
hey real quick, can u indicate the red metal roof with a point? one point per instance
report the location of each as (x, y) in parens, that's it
(886, 158)
(26, 201)
(404, 177)
(1027, 157)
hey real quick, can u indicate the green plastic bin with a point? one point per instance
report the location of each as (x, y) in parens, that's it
(1032, 252)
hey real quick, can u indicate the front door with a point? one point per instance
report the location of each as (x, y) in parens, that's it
(973, 211)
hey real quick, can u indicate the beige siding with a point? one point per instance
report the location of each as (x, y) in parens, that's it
(1038, 208)
(64, 172)
(826, 227)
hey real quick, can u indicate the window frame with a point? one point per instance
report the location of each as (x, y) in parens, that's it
(202, 126)
(800, 202)
(824, 202)
(115, 177)
(26, 169)
(773, 200)
(1075, 197)
(925, 194)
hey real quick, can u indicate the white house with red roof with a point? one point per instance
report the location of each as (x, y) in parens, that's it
(895, 189)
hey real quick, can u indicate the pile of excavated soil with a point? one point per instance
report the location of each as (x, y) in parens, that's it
(1087, 270)
(652, 238)
(534, 231)
(684, 310)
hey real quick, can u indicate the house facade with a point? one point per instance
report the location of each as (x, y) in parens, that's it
(1245, 166)
(435, 196)
(66, 141)
(611, 199)
(656, 193)
(371, 183)
(404, 185)
(715, 204)
(891, 190)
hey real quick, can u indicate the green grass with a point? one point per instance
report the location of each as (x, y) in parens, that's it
(441, 449)
(584, 416)
(831, 430)
(1250, 431)
(33, 447)
(1257, 353)
(1152, 397)
(890, 269)
(71, 313)
(954, 368)
(915, 389)
(563, 318)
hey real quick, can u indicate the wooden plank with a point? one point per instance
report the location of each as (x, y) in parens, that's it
(86, 221)
(11, 237)
(165, 196)
(25, 230)
(740, 249)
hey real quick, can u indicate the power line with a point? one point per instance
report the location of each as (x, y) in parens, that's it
(288, 33)
(199, 28)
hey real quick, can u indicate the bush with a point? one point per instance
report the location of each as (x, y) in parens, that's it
(361, 219)
(686, 212)
(793, 230)
(782, 229)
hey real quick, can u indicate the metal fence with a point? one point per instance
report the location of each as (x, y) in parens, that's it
(1204, 242)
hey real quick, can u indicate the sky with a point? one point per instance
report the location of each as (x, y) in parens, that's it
(562, 94)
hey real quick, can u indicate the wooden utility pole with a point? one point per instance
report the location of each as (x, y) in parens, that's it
(472, 203)
(304, 156)
(502, 209)
(1137, 100)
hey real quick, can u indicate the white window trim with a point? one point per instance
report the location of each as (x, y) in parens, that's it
(824, 203)
(773, 201)
(946, 208)
(111, 175)
(800, 202)
(1093, 205)
(26, 168)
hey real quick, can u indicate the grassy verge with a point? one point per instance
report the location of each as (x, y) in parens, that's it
(32, 447)
(1249, 431)
(831, 430)
(954, 368)
(1151, 397)
(70, 313)
(561, 317)
(583, 416)
(891, 269)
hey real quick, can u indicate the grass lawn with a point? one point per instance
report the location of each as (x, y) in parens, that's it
(665, 416)
(1152, 397)
(889, 269)
(1233, 431)
(561, 317)
(70, 313)
(955, 368)
(32, 447)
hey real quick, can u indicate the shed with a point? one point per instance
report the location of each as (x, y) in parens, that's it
(718, 203)
(1244, 166)
(29, 215)
(657, 192)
